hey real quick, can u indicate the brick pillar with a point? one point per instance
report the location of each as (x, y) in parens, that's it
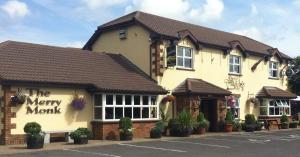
(189, 103)
(7, 115)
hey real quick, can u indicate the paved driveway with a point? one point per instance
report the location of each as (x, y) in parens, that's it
(259, 144)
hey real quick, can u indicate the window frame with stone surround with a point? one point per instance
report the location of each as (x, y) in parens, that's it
(141, 107)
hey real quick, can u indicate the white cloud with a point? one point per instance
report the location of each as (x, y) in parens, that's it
(96, 4)
(297, 3)
(254, 10)
(15, 8)
(75, 44)
(252, 32)
(181, 9)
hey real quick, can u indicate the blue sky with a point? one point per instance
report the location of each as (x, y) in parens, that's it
(70, 23)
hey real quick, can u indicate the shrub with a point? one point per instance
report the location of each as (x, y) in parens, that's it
(81, 133)
(250, 119)
(32, 128)
(160, 126)
(259, 125)
(185, 120)
(125, 123)
(155, 133)
(203, 124)
(229, 117)
(237, 126)
(284, 119)
(182, 125)
(200, 117)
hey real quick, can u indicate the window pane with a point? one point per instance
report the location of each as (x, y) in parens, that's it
(153, 111)
(98, 100)
(287, 111)
(179, 51)
(137, 100)
(109, 113)
(263, 111)
(153, 100)
(119, 99)
(171, 56)
(237, 69)
(145, 100)
(237, 60)
(274, 65)
(277, 111)
(188, 63)
(272, 103)
(128, 112)
(179, 61)
(231, 59)
(188, 52)
(136, 112)
(231, 68)
(271, 111)
(274, 74)
(98, 113)
(127, 99)
(118, 112)
(270, 65)
(109, 99)
(145, 112)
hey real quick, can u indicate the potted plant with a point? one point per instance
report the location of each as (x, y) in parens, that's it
(18, 99)
(78, 103)
(284, 120)
(250, 123)
(81, 136)
(125, 129)
(34, 136)
(293, 124)
(229, 121)
(236, 126)
(156, 132)
(182, 125)
(202, 124)
(259, 126)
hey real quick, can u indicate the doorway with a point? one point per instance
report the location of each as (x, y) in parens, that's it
(209, 108)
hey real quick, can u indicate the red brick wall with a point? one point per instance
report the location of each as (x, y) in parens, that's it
(110, 130)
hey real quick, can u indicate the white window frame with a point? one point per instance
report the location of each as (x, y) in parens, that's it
(271, 69)
(235, 64)
(280, 105)
(114, 106)
(185, 57)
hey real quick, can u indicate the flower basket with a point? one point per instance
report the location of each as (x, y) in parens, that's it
(168, 98)
(78, 103)
(18, 99)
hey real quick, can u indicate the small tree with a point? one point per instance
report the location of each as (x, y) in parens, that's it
(229, 117)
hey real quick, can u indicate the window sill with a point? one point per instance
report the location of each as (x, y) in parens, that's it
(235, 74)
(274, 78)
(186, 69)
(117, 121)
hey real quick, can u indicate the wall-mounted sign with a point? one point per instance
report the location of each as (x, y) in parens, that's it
(38, 102)
(234, 83)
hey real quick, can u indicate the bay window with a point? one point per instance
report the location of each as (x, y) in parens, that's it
(273, 69)
(275, 107)
(112, 107)
(234, 64)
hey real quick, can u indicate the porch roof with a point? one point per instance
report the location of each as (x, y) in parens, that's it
(200, 87)
(275, 92)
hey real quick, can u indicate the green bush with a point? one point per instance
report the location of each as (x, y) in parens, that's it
(200, 117)
(160, 125)
(182, 125)
(125, 123)
(250, 119)
(201, 121)
(284, 119)
(185, 120)
(32, 128)
(229, 117)
(81, 132)
(236, 126)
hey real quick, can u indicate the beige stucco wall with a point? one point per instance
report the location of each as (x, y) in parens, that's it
(212, 66)
(135, 47)
(1, 113)
(68, 119)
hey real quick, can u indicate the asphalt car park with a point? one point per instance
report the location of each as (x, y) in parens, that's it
(259, 144)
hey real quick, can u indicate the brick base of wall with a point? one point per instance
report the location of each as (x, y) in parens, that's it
(16, 139)
(110, 130)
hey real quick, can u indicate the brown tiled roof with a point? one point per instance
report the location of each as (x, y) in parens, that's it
(274, 92)
(170, 28)
(198, 86)
(25, 62)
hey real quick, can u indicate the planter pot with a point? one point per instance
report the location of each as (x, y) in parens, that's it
(35, 141)
(164, 133)
(249, 128)
(81, 140)
(228, 128)
(284, 125)
(125, 137)
(201, 131)
(258, 128)
(181, 133)
(293, 125)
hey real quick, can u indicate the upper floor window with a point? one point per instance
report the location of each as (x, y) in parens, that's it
(184, 57)
(234, 64)
(273, 69)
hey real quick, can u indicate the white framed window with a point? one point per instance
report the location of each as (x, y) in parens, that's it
(273, 69)
(275, 107)
(233, 104)
(234, 64)
(184, 57)
(115, 106)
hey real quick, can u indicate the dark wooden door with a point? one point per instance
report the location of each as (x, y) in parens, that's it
(209, 108)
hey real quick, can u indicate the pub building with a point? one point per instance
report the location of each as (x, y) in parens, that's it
(51, 77)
